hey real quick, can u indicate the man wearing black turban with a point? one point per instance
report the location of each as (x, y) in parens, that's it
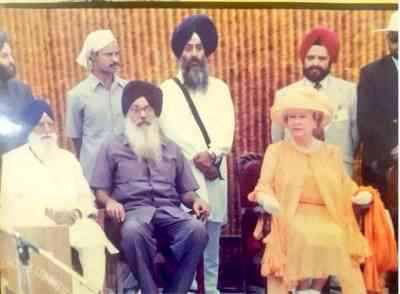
(205, 137)
(142, 178)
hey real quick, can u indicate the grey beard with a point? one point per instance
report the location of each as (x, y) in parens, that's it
(145, 141)
(196, 77)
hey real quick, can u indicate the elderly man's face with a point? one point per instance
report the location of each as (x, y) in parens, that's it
(393, 41)
(141, 113)
(316, 63)
(45, 127)
(7, 64)
(106, 61)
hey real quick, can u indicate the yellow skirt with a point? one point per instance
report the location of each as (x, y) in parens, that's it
(316, 247)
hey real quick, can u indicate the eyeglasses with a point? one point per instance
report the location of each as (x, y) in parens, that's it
(137, 110)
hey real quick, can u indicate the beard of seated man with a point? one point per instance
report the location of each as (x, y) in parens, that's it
(195, 74)
(44, 146)
(145, 139)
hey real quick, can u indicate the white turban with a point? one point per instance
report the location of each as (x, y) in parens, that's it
(94, 42)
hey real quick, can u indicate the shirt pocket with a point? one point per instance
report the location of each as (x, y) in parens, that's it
(166, 169)
(128, 168)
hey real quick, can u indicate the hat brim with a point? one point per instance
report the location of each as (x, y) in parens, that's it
(278, 114)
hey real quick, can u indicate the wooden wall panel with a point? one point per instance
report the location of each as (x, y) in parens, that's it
(257, 55)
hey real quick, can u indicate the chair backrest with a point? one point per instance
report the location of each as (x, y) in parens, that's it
(249, 166)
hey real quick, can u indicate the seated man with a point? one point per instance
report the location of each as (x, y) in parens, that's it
(141, 178)
(43, 184)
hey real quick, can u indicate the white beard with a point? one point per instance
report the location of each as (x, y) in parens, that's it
(44, 148)
(145, 140)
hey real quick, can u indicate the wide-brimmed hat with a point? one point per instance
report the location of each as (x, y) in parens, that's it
(393, 25)
(302, 98)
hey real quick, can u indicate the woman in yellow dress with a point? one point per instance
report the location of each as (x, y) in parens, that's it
(314, 233)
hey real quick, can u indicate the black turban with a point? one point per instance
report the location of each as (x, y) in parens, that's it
(33, 112)
(137, 89)
(197, 23)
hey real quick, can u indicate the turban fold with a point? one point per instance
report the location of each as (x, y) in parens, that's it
(33, 112)
(200, 24)
(323, 37)
(136, 89)
(94, 42)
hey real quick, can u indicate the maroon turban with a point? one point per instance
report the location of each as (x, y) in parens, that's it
(323, 37)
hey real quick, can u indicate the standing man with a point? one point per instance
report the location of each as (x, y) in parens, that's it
(378, 114)
(94, 105)
(14, 96)
(318, 51)
(198, 115)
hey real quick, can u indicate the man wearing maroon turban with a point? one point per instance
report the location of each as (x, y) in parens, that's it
(318, 50)
(192, 42)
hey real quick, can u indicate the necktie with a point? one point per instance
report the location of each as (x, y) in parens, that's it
(317, 86)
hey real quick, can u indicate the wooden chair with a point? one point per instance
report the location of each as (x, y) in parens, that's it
(248, 167)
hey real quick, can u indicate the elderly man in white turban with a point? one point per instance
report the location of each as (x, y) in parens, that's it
(94, 105)
(53, 191)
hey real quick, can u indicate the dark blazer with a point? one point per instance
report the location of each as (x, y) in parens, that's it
(377, 110)
(14, 96)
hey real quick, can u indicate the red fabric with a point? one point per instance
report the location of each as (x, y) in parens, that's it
(382, 242)
(327, 38)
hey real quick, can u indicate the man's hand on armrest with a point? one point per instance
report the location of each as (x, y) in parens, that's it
(114, 209)
(199, 206)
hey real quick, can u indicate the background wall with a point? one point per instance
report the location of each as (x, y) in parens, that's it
(256, 55)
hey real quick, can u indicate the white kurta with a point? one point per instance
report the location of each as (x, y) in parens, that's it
(29, 187)
(216, 111)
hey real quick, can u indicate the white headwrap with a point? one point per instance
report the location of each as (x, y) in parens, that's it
(94, 42)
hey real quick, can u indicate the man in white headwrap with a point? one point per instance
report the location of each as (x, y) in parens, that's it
(94, 105)
(53, 191)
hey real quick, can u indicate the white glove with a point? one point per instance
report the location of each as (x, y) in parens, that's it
(269, 203)
(362, 198)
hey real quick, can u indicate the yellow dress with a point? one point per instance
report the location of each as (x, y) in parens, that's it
(316, 234)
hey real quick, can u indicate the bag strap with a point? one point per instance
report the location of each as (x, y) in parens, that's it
(194, 111)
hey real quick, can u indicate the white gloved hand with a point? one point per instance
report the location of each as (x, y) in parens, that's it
(269, 203)
(362, 198)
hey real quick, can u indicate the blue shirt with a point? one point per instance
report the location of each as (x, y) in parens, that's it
(94, 114)
(136, 183)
